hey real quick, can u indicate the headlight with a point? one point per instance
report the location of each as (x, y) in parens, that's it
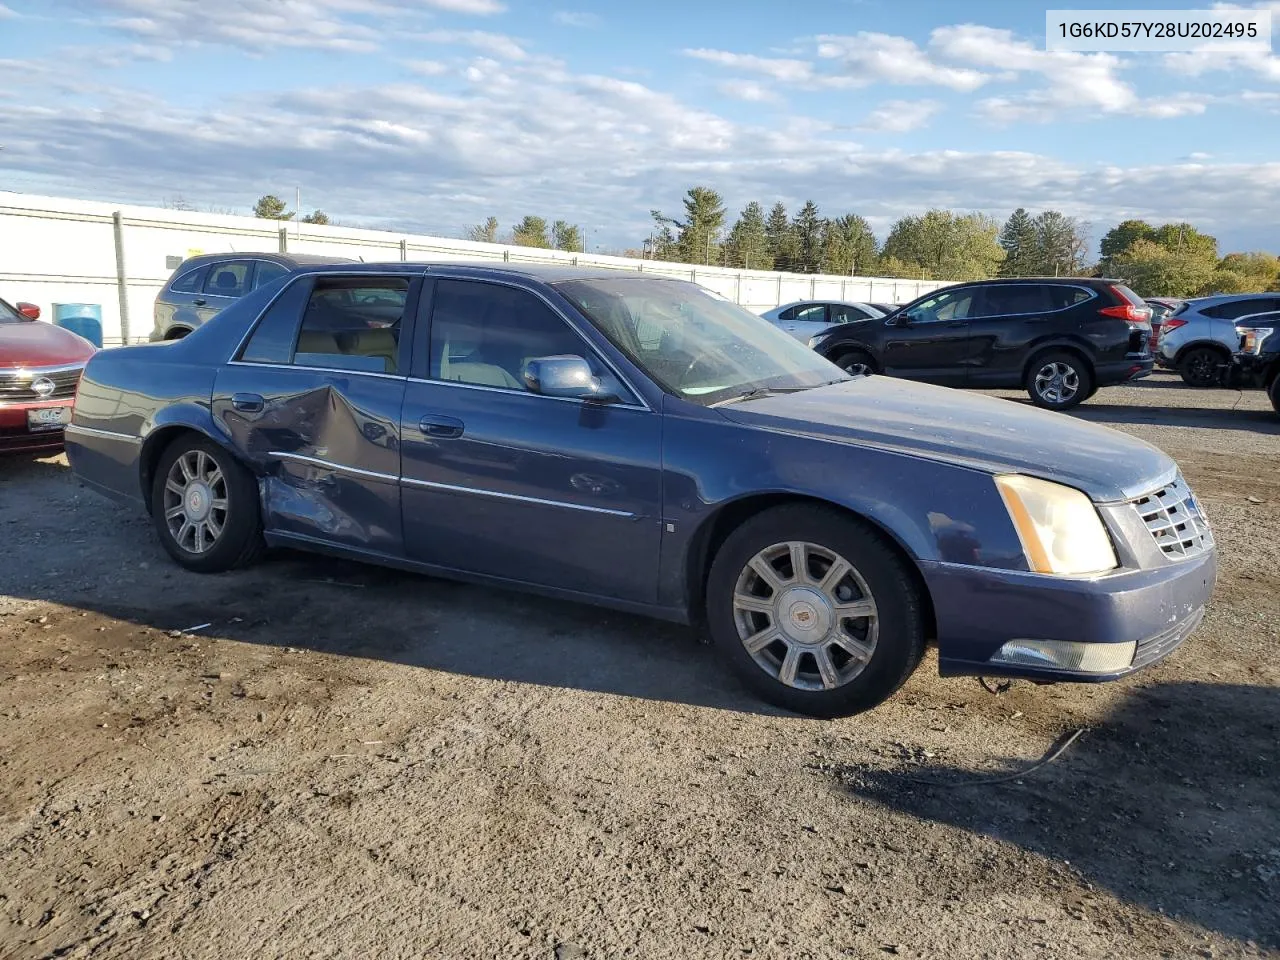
(1059, 526)
(1252, 338)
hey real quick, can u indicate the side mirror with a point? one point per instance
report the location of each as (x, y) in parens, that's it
(29, 310)
(564, 376)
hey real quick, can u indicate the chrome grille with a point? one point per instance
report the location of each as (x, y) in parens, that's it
(16, 385)
(1174, 520)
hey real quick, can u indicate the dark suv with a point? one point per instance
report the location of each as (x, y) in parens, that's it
(1257, 361)
(203, 285)
(1059, 338)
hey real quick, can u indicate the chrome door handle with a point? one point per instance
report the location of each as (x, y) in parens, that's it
(248, 402)
(435, 426)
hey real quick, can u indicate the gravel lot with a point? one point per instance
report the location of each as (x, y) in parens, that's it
(352, 762)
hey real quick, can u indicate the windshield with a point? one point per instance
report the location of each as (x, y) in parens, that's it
(695, 345)
(8, 314)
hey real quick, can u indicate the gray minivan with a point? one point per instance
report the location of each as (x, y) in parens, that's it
(203, 285)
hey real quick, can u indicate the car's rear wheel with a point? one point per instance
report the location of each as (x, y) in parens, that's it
(1059, 380)
(177, 333)
(1200, 367)
(205, 507)
(857, 363)
(815, 610)
(1273, 392)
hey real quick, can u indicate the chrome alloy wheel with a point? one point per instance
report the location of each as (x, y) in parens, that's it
(195, 501)
(806, 616)
(857, 368)
(1057, 382)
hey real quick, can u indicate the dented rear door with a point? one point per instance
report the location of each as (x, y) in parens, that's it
(313, 403)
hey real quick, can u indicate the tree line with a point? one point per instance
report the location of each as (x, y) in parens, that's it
(531, 231)
(1173, 260)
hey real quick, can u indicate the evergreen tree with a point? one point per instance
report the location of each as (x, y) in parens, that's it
(848, 246)
(486, 232)
(779, 239)
(808, 230)
(1018, 238)
(530, 232)
(748, 246)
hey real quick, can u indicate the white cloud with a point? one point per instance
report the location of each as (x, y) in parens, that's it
(575, 18)
(748, 90)
(7, 13)
(781, 69)
(879, 57)
(901, 116)
(426, 68)
(497, 44)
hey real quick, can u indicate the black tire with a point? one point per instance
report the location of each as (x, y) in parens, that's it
(1201, 367)
(1076, 376)
(855, 362)
(1273, 393)
(240, 541)
(888, 577)
(177, 333)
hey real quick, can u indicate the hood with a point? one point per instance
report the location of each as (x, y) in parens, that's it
(39, 344)
(985, 433)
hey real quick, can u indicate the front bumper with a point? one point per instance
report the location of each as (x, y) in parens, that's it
(1249, 369)
(979, 610)
(17, 437)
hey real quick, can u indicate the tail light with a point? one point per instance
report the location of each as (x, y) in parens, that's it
(1173, 323)
(1136, 314)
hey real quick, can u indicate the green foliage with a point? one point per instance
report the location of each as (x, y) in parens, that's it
(1184, 238)
(808, 229)
(780, 240)
(1018, 240)
(531, 232)
(1154, 270)
(318, 217)
(1059, 245)
(704, 216)
(889, 266)
(747, 245)
(848, 246)
(486, 232)
(1120, 237)
(565, 236)
(1258, 272)
(271, 207)
(947, 246)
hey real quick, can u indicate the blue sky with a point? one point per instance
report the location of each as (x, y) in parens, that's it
(430, 115)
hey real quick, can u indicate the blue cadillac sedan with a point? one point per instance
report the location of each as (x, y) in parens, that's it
(637, 442)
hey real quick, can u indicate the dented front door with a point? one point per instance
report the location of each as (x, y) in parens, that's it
(326, 446)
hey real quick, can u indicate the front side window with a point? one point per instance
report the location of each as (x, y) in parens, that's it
(8, 314)
(843, 313)
(483, 334)
(230, 279)
(697, 347)
(951, 305)
(353, 323)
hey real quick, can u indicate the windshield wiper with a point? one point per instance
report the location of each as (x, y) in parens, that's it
(755, 393)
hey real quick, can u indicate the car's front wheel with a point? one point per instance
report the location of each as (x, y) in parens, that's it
(856, 363)
(815, 611)
(1201, 367)
(205, 507)
(1059, 380)
(1273, 392)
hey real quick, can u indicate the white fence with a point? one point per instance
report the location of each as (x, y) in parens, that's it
(55, 250)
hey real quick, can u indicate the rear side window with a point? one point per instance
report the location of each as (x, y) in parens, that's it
(1014, 299)
(812, 313)
(353, 323)
(230, 279)
(1240, 308)
(189, 282)
(843, 313)
(1062, 296)
(267, 272)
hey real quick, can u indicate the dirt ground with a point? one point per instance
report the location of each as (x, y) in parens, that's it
(351, 762)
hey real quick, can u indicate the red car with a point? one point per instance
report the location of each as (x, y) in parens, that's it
(40, 367)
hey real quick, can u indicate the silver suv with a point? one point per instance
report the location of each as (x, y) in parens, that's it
(203, 285)
(1199, 337)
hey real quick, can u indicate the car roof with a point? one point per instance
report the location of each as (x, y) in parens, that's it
(1230, 298)
(1074, 281)
(288, 259)
(545, 272)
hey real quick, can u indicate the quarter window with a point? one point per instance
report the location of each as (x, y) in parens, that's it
(189, 282)
(843, 313)
(483, 334)
(1241, 308)
(230, 279)
(267, 272)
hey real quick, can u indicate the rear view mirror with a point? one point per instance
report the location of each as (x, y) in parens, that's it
(29, 311)
(565, 376)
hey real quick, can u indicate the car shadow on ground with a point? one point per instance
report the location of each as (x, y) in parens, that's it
(93, 555)
(1169, 803)
(1252, 421)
